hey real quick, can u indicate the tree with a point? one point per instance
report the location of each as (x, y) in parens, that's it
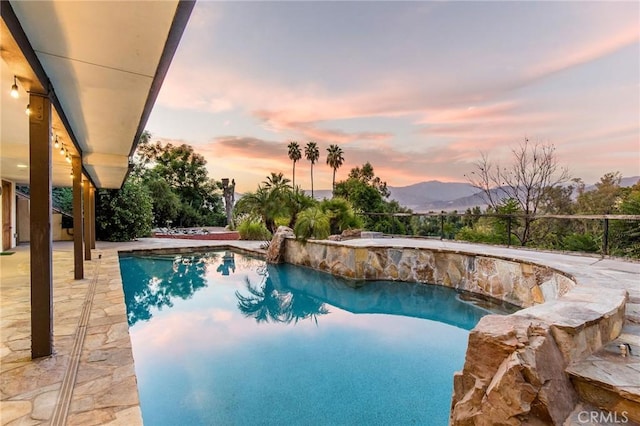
(366, 192)
(363, 197)
(166, 203)
(550, 233)
(527, 181)
(184, 172)
(294, 155)
(62, 198)
(626, 234)
(334, 160)
(271, 200)
(367, 176)
(603, 199)
(124, 214)
(312, 154)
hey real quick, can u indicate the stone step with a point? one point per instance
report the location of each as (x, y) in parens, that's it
(608, 380)
(632, 312)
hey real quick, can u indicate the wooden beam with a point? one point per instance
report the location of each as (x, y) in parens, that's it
(92, 215)
(78, 263)
(87, 218)
(41, 245)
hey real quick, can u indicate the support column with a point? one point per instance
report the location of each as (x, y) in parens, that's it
(92, 215)
(87, 218)
(78, 263)
(41, 244)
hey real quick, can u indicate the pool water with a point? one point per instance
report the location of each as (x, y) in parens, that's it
(221, 338)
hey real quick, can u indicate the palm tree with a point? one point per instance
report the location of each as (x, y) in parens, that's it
(334, 160)
(294, 155)
(271, 200)
(277, 182)
(312, 154)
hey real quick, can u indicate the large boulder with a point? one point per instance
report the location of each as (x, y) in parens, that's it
(275, 252)
(513, 375)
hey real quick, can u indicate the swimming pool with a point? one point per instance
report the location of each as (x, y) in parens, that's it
(222, 338)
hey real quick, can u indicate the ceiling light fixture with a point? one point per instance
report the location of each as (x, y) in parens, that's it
(56, 144)
(28, 109)
(14, 89)
(68, 158)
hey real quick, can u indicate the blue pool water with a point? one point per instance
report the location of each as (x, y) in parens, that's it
(221, 338)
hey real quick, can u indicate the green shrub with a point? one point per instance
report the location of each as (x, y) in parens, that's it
(481, 233)
(341, 215)
(124, 214)
(282, 221)
(581, 242)
(252, 228)
(312, 223)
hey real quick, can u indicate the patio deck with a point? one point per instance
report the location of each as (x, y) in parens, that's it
(90, 379)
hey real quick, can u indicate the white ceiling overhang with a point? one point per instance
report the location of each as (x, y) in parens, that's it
(105, 61)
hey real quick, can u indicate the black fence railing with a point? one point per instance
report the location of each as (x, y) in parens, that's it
(617, 235)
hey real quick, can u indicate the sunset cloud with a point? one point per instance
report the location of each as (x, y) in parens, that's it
(418, 90)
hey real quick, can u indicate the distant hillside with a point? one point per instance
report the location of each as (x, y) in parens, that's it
(630, 181)
(624, 182)
(421, 195)
(436, 196)
(319, 194)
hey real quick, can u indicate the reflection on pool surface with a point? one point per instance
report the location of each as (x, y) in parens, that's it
(220, 338)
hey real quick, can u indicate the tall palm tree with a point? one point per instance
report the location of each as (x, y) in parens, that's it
(312, 153)
(334, 160)
(294, 155)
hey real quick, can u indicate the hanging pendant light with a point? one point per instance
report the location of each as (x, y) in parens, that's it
(14, 89)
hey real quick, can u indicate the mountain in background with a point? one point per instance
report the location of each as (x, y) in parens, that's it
(432, 194)
(624, 182)
(448, 196)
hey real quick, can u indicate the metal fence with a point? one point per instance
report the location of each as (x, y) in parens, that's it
(617, 235)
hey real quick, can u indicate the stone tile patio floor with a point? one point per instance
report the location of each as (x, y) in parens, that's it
(103, 389)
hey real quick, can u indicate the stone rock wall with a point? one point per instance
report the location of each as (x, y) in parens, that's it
(514, 372)
(277, 247)
(519, 283)
(515, 367)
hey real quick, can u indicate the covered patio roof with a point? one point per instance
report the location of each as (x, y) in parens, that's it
(100, 63)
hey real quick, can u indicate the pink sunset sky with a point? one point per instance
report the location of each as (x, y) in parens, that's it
(418, 89)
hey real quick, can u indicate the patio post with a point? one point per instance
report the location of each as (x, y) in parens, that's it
(87, 218)
(41, 241)
(92, 215)
(78, 263)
